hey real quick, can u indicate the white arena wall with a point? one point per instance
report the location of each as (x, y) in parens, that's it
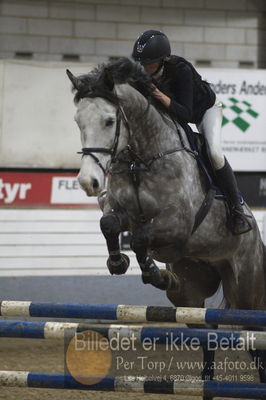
(60, 255)
(37, 127)
(216, 33)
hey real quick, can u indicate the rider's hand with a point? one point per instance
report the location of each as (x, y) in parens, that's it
(161, 96)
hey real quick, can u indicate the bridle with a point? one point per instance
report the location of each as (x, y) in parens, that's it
(88, 151)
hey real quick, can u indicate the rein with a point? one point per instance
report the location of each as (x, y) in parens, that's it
(147, 162)
(135, 161)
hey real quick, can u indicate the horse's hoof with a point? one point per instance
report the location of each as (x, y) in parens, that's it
(154, 277)
(118, 267)
(161, 279)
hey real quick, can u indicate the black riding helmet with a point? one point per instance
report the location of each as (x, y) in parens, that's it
(150, 47)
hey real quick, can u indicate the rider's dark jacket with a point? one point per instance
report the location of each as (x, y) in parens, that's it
(190, 95)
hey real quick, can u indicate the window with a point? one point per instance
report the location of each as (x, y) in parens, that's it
(203, 63)
(24, 55)
(71, 57)
(246, 64)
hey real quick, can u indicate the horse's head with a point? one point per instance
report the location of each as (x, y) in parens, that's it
(108, 99)
(102, 133)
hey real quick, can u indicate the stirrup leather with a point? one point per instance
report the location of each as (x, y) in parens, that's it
(238, 214)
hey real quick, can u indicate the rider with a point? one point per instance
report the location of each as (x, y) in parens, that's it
(190, 100)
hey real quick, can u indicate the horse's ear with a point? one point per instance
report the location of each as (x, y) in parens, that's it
(75, 81)
(108, 79)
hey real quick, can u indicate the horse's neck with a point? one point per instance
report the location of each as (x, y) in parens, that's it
(154, 133)
(163, 136)
(151, 135)
(149, 131)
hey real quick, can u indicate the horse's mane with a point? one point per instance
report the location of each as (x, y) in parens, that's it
(120, 71)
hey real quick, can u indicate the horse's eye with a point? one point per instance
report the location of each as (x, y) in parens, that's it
(109, 122)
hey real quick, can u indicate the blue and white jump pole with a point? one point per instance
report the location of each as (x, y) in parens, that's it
(135, 384)
(213, 338)
(132, 313)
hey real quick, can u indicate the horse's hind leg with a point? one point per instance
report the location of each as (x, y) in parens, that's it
(246, 290)
(208, 370)
(198, 280)
(259, 357)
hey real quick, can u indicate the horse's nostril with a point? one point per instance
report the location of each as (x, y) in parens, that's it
(95, 184)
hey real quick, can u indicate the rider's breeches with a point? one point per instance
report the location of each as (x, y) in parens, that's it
(211, 126)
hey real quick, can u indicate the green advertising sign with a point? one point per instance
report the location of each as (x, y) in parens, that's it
(243, 97)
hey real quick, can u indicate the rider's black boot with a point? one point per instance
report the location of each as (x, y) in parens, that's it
(227, 180)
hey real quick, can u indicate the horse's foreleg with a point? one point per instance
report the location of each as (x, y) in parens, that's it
(117, 262)
(111, 226)
(161, 279)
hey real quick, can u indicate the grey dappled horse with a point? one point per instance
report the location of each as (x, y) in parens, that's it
(155, 190)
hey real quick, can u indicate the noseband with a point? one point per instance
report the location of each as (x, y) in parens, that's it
(88, 151)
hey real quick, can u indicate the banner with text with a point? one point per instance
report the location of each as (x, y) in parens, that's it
(42, 189)
(243, 95)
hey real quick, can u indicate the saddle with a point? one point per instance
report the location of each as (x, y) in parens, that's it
(198, 143)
